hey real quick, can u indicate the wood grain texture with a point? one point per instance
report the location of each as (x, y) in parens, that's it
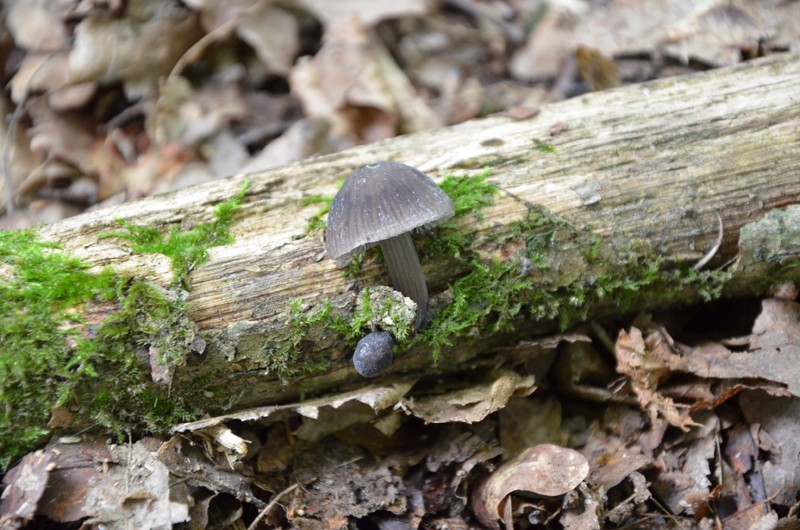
(654, 162)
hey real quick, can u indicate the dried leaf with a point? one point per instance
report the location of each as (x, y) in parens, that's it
(525, 422)
(189, 462)
(146, 500)
(274, 34)
(779, 417)
(348, 483)
(645, 367)
(354, 83)
(304, 138)
(471, 404)
(685, 482)
(109, 50)
(37, 25)
(547, 48)
(581, 509)
(715, 32)
(368, 12)
(378, 398)
(774, 350)
(546, 469)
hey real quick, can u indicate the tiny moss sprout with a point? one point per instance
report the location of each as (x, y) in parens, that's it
(544, 147)
(315, 222)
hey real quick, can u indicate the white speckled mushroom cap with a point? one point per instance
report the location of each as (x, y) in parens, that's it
(381, 201)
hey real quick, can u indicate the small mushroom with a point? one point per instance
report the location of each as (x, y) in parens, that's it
(374, 354)
(381, 204)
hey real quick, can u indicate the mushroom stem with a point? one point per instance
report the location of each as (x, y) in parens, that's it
(406, 272)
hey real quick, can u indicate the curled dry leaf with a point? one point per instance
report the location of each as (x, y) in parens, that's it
(646, 363)
(356, 85)
(274, 34)
(471, 404)
(109, 50)
(546, 469)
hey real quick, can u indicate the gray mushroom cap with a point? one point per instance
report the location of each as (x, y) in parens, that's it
(381, 201)
(374, 354)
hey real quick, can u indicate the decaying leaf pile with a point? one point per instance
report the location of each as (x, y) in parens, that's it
(682, 419)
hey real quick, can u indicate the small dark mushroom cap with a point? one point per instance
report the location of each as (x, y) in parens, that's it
(374, 354)
(381, 201)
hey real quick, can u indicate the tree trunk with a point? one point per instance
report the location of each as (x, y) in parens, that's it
(605, 203)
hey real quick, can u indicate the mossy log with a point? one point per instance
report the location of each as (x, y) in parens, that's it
(604, 203)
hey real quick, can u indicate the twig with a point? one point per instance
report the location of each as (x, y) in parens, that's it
(711, 253)
(196, 48)
(271, 504)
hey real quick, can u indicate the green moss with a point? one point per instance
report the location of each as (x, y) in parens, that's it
(469, 194)
(486, 301)
(499, 296)
(316, 223)
(544, 147)
(50, 355)
(187, 249)
(149, 328)
(293, 356)
(39, 285)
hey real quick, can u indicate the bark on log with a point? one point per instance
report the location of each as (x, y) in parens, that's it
(644, 168)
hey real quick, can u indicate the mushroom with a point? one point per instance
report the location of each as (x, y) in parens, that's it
(381, 204)
(374, 354)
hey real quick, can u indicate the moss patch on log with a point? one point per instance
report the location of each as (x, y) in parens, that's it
(186, 249)
(557, 273)
(544, 271)
(51, 355)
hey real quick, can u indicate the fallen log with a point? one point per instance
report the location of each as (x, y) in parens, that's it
(668, 192)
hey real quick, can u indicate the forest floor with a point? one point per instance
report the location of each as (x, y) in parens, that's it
(684, 418)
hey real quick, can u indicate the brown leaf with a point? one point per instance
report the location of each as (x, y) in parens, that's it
(774, 350)
(525, 422)
(779, 420)
(645, 366)
(545, 469)
(109, 50)
(355, 84)
(368, 12)
(472, 404)
(37, 25)
(274, 34)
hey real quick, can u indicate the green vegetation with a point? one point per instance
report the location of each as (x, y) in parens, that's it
(283, 356)
(544, 147)
(469, 194)
(496, 297)
(485, 301)
(51, 356)
(315, 222)
(187, 249)
(38, 286)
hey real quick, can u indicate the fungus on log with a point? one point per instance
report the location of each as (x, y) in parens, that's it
(611, 215)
